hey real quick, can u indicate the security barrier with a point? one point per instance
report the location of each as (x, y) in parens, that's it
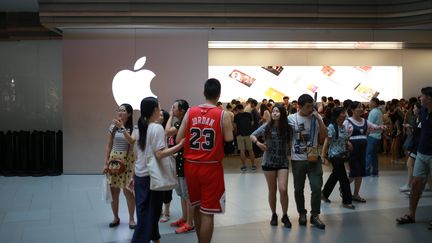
(36, 153)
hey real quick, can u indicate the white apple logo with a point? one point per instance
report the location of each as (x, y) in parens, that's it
(132, 86)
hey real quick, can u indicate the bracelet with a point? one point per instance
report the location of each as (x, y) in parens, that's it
(122, 129)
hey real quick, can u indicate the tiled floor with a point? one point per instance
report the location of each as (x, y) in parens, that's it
(69, 208)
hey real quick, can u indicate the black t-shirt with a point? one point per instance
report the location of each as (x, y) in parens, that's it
(243, 121)
(179, 157)
(425, 142)
(256, 117)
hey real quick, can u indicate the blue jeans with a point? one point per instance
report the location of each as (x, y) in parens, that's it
(149, 209)
(372, 156)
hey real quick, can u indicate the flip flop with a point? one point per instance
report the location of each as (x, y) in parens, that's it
(406, 219)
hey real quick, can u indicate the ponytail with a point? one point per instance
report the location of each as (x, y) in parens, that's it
(148, 106)
(142, 129)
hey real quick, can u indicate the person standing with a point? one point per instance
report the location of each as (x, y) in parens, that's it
(243, 129)
(205, 129)
(118, 147)
(275, 160)
(307, 125)
(185, 223)
(149, 140)
(358, 128)
(373, 139)
(337, 147)
(423, 161)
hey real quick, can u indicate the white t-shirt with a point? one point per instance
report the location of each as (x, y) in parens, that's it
(155, 141)
(301, 128)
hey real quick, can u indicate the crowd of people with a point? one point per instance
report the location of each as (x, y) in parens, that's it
(302, 135)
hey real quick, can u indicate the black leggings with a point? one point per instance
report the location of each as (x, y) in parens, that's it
(167, 196)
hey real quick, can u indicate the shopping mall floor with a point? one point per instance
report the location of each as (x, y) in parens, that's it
(68, 208)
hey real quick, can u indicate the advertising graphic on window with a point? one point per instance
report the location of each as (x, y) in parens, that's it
(359, 83)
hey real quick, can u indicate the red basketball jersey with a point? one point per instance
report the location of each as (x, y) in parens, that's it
(204, 136)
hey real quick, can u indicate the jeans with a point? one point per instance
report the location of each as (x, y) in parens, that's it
(372, 156)
(338, 174)
(149, 209)
(301, 169)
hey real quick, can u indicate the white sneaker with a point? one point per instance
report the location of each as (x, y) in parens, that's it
(405, 188)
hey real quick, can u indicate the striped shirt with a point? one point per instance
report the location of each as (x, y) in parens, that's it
(120, 143)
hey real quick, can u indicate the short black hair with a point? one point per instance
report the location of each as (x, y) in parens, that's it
(239, 107)
(285, 97)
(212, 89)
(330, 99)
(305, 98)
(375, 100)
(254, 102)
(427, 91)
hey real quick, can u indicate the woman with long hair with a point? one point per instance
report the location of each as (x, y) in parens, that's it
(150, 138)
(118, 147)
(277, 134)
(337, 146)
(358, 128)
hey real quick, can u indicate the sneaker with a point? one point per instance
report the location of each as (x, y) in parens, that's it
(179, 223)
(184, 229)
(243, 169)
(316, 221)
(274, 220)
(253, 168)
(164, 218)
(302, 219)
(405, 188)
(285, 220)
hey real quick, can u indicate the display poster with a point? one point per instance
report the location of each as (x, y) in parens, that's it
(359, 83)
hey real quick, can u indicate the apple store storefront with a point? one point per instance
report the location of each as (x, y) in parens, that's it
(69, 89)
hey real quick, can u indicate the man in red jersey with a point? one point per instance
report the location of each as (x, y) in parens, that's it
(206, 128)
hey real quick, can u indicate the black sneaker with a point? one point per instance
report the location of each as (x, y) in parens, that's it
(285, 220)
(274, 220)
(302, 219)
(315, 220)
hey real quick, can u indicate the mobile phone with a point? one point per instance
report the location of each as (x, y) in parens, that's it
(242, 77)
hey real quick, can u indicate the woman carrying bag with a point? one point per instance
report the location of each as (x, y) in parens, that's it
(151, 142)
(119, 149)
(337, 146)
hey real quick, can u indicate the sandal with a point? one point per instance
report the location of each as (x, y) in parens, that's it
(406, 219)
(164, 219)
(348, 206)
(358, 199)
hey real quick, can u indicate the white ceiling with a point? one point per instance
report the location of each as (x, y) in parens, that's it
(19, 6)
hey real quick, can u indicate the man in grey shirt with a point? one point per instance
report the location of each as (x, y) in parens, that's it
(306, 125)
